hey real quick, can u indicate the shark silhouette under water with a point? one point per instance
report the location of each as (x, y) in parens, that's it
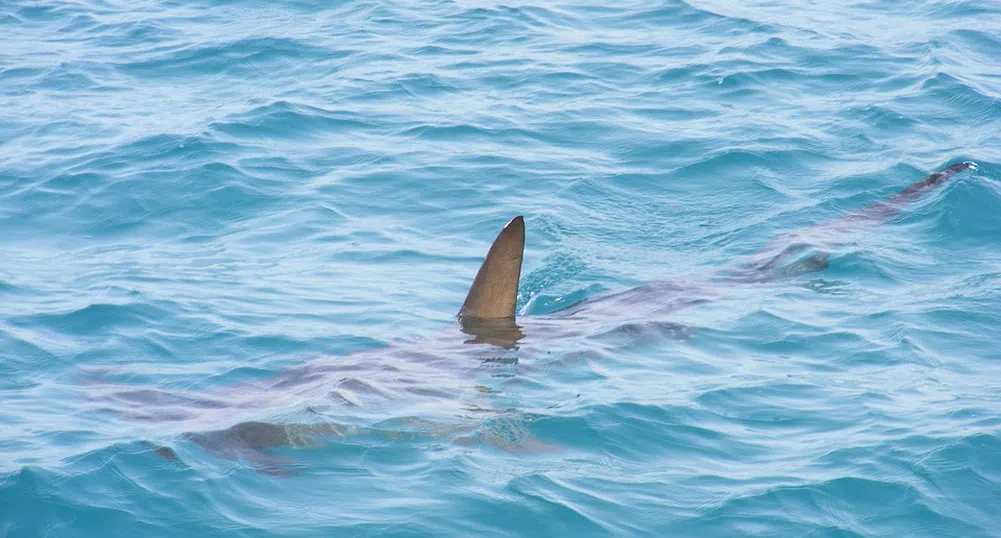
(431, 375)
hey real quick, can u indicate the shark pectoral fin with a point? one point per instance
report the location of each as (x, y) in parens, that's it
(813, 264)
(495, 289)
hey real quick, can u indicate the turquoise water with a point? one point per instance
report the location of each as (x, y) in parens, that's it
(201, 200)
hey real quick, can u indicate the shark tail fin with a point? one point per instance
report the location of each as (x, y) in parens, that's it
(932, 181)
(885, 209)
(494, 292)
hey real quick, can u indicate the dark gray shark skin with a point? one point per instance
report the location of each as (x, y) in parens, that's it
(763, 265)
(434, 373)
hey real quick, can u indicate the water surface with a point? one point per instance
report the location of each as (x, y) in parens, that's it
(198, 197)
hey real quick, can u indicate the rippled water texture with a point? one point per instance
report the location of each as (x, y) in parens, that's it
(234, 235)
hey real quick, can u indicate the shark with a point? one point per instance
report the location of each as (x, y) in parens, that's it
(334, 394)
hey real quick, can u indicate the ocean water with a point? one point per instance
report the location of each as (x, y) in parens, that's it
(234, 235)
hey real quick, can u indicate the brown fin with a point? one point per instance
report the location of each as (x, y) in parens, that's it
(495, 289)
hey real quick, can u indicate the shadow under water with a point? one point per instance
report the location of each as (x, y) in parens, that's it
(342, 396)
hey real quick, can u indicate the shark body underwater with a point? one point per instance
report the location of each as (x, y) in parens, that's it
(332, 396)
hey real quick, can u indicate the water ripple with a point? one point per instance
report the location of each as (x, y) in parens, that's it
(234, 234)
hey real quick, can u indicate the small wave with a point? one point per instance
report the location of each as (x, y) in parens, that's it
(287, 120)
(95, 319)
(236, 58)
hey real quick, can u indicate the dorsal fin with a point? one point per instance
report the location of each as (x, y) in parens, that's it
(495, 289)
